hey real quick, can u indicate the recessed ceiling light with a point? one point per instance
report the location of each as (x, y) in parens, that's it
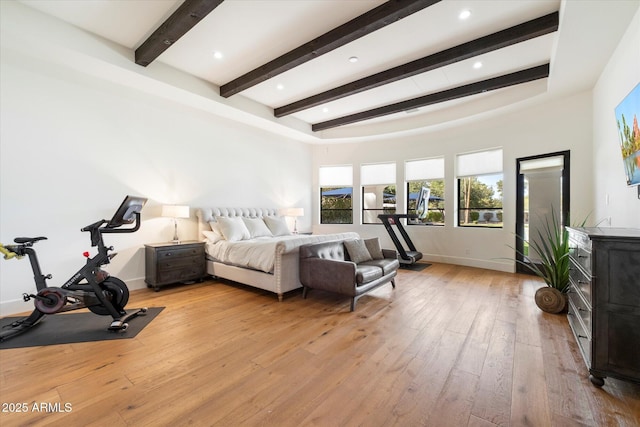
(217, 55)
(325, 110)
(279, 86)
(477, 65)
(353, 59)
(465, 14)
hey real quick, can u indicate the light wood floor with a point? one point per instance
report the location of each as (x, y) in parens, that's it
(450, 346)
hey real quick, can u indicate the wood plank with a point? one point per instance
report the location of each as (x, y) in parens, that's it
(530, 401)
(224, 354)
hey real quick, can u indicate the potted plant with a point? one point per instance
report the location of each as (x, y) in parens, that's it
(552, 249)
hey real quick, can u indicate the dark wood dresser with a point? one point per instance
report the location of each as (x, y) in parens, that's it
(604, 300)
(167, 263)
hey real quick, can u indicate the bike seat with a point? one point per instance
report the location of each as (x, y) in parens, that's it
(23, 240)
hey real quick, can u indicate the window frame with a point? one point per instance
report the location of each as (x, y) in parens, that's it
(475, 166)
(330, 184)
(430, 207)
(367, 182)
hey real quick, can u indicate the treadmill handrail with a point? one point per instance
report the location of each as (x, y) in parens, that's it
(396, 217)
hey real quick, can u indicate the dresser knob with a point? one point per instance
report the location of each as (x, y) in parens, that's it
(582, 336)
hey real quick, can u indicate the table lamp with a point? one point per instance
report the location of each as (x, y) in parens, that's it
(175, 212)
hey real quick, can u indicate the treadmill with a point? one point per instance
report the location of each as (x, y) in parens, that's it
(407, 257)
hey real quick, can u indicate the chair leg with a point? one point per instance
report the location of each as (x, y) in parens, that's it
(304, 292)
(353, 304)
(393, 283)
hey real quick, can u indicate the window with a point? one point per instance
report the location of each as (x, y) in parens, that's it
(480, 189)
(378, 191)
(427, 173)
(336, 190)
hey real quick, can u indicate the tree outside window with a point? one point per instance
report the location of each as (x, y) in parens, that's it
(480, 201)
(336, 194)
(480, 188)
(336, 205)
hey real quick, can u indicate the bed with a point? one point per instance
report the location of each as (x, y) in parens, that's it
(266, 258)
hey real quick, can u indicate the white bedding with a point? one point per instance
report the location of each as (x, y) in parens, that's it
(260, 253)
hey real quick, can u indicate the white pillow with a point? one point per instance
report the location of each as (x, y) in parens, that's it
(257, 227)
(217, 234)
(212, 236)
(277, 225)
(233, 228)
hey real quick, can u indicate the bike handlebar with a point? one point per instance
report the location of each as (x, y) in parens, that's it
(8, 252)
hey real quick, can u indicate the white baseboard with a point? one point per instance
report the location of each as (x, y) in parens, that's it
(498, 265)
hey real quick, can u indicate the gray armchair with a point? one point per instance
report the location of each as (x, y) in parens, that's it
(350, 267)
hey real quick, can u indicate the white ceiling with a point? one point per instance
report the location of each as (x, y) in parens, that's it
(250, 33)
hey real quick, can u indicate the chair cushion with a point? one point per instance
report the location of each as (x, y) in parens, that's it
(367, 273)
(387, 265)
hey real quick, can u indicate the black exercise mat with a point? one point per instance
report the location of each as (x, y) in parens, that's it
(418, 266)
(74, 328)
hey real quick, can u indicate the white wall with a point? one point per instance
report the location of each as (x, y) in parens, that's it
(72, 146)
(620, 76)
(555, 125)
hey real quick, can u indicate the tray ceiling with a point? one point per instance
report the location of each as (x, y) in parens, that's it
(417, 63)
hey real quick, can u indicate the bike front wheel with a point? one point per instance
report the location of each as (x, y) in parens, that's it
(116, 291)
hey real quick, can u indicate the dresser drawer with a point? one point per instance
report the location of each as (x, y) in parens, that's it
(580, 251)
(582, 337)
(580, 281)
(581, 309)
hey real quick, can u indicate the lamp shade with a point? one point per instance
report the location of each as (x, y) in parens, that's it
(293, 212)
(175, 211)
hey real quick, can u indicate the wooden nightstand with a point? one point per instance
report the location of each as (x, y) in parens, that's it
(167, 263)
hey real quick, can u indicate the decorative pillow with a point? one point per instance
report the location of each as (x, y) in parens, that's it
(277, 225)
(233, 228)
(357, 250)
(212, 236)
(373, 246)
(257, 227)
(215, 227)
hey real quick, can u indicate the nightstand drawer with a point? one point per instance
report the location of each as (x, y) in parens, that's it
(173, 263)
(181, 275)
(174, 253)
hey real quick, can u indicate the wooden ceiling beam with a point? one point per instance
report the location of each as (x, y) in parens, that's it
(519, 77)
(516, 34)
(182, 20)
(379, 17)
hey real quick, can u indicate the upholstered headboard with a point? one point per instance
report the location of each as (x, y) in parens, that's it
(207, 215)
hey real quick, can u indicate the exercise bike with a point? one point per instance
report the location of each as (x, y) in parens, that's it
(90, 287)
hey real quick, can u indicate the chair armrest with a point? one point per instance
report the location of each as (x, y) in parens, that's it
(328, 274)
(390, 253)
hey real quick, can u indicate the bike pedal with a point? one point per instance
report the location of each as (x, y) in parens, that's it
(118, 325)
